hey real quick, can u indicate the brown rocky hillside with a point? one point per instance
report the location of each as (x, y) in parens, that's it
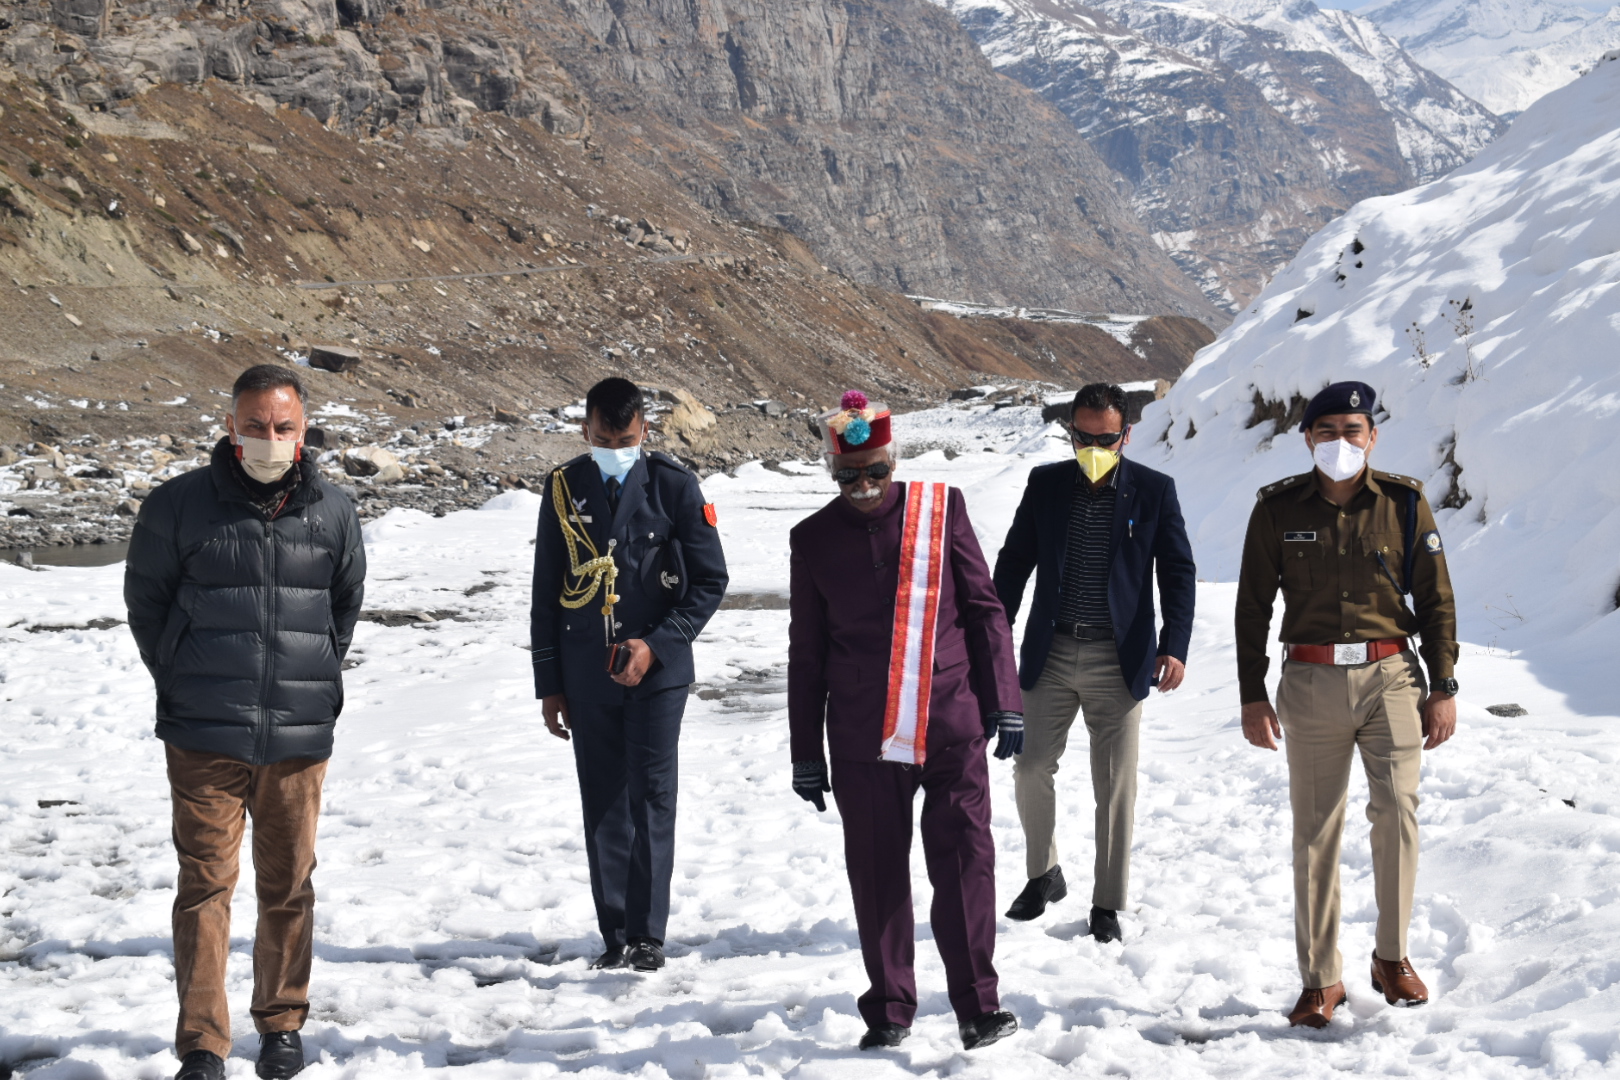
(171, 177)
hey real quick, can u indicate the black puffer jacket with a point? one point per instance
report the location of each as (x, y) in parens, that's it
(242, 620)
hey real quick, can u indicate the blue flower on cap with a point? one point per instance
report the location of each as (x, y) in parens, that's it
(1340, 398)
(857, 432)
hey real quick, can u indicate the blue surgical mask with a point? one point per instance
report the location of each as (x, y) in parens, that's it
(615, 463)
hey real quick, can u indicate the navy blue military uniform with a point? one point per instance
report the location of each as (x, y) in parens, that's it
(672, 576)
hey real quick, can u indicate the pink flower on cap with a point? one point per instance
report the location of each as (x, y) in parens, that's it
(853, 399)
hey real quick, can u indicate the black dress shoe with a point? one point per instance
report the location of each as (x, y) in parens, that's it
(884, 1035)
(646, 954)
(1049, 888)
(281, 1054)
(201, 1065)
(986, 1029)
(1105, 924)
(610, 960)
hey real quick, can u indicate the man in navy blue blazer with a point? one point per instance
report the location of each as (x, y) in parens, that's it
(1095, 530)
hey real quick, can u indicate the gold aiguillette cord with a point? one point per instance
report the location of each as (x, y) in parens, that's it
(599, 572)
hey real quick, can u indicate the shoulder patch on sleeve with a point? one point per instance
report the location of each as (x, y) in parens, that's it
(712, 516)
(1431, 542)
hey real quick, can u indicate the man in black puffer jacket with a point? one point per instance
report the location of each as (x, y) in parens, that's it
(244, 582)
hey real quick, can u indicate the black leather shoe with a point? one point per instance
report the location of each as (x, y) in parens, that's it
(1049, 888)
(281, 1054)
(884, 1035)
(201, 1065)
(608, 961)
(645, 954)
(1105, 924)
(986, 1029)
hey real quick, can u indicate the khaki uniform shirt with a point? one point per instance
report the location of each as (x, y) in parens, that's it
(1325, 558)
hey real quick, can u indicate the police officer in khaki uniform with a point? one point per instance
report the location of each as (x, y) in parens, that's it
(1362, 569)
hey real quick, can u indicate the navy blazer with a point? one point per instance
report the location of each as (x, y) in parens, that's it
(1148, 533)
(672, 577)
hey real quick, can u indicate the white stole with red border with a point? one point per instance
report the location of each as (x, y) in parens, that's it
(916, 610)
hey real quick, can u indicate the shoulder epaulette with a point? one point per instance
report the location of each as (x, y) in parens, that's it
(1282, 485)
(1397, 478)
(661, 458)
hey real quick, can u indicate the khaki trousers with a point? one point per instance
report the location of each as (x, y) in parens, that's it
(212, 796)
(1328, 713)
(1081, 677)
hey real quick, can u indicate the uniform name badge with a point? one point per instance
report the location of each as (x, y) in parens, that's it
(1303, 536)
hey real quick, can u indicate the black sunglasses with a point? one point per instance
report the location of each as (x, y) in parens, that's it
(1107, 438)
(877, 471)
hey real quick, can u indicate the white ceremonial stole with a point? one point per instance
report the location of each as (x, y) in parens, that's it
(916, 610)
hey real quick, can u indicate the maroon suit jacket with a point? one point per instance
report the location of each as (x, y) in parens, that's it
(844, 576)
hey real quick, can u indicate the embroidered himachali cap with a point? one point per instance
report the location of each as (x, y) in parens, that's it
(1339, 398)
(855, 425)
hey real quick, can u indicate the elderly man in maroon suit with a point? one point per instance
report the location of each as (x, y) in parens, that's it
(900, 659)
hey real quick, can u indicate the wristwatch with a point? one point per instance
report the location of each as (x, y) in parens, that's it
(1446, 686)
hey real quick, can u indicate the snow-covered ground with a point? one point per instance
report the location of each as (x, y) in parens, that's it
(454, 915)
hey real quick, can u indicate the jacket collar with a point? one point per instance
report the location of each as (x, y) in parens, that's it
(225, 473)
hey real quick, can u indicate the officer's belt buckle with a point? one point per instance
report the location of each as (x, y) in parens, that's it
(1350, 654)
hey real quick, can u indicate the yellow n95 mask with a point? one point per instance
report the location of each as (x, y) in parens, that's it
(1096, 462)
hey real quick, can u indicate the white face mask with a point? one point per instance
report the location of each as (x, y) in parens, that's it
(267, 460)
(616, 463)
(1340, 459)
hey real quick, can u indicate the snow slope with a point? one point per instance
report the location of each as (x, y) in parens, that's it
(454, 918)
(1524, 455)
(1504, 53)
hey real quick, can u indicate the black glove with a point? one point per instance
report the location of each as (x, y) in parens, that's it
(810, 780)
(1009, 729)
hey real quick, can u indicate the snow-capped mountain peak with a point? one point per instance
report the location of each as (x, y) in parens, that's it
(1237, 126)
(1504, 53)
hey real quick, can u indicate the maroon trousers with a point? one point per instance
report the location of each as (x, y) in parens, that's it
(875, 798)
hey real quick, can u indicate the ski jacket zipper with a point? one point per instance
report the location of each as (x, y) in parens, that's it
(261, 743)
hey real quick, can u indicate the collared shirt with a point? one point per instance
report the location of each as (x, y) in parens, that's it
(1337, 567)
(1083, 597)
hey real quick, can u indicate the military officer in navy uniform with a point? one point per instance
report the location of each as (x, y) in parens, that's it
(1359, 561)
(628, 568)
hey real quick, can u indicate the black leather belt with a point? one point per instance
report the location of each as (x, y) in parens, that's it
(1082, 632)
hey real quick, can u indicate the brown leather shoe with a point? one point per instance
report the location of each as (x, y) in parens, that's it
(1315, 1007)
(1399, 984)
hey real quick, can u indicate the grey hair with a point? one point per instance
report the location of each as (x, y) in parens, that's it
(892, 448)
(262, 377)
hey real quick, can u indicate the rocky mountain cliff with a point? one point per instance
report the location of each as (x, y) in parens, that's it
(878, 136)
(1239, 127)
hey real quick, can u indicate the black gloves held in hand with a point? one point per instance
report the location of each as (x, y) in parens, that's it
(810, 780)
(1009, 729)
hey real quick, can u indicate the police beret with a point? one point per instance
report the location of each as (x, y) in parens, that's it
(1340, 397)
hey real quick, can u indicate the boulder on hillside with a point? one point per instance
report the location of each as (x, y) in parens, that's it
(334, 358)
(688, 419)
(375, 462)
